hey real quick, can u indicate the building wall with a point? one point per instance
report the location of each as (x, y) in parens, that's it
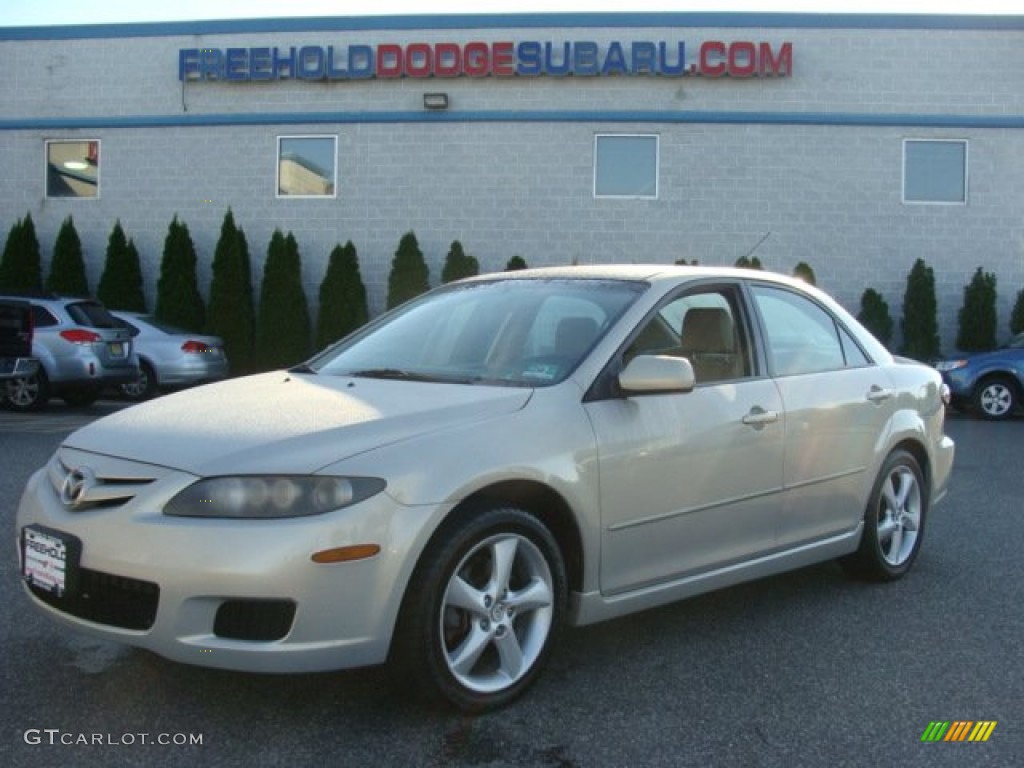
(802, 168)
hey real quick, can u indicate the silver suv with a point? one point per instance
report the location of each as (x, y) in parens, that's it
(81, 348)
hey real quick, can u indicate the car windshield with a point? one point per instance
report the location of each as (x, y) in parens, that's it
(514, 332)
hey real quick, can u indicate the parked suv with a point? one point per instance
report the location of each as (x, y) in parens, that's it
(81, 348)
(989, 383)
(16, 339)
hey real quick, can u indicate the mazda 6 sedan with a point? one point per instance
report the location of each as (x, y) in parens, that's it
(447, 487)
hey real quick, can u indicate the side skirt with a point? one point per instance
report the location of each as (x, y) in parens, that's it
(591, 607)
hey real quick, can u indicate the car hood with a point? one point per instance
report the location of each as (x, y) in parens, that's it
(286, 423)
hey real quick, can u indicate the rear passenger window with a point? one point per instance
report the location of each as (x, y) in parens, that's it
(42, 318)
(802, 337)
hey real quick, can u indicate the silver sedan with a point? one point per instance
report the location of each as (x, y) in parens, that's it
(447, 487)
(169, 357)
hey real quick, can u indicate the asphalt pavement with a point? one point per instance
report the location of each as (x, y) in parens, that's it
(805, 669)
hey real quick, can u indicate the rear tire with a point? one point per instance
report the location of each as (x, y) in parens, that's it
(893, 522)
(28, 393)
(482, 610)
(144, 387)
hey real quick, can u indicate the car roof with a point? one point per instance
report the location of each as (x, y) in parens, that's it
(650, 273)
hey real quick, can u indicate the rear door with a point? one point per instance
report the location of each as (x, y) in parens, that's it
(837, 405)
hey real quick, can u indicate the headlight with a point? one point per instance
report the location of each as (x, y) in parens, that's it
(251, 496)
(950, 365)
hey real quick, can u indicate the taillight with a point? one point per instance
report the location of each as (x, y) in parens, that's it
(196, 347)
(80, 336)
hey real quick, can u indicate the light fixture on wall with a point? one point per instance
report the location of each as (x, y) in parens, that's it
(435, 101)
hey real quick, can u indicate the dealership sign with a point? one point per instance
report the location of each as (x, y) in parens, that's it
(713, 58)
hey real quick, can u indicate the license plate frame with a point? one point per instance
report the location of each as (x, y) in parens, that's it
(50, 560)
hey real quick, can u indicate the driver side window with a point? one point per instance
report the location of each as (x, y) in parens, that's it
(703, 327)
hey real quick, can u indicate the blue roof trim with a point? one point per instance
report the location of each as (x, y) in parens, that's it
(519, 116)
(516, 20)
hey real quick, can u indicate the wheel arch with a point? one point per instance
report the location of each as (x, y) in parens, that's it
(541, 501)
(1003, 375)
(916, 449)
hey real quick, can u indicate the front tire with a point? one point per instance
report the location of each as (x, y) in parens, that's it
(482, 609)
(893, 522)
(995, 398)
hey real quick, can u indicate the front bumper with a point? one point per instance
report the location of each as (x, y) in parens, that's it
(233, 594)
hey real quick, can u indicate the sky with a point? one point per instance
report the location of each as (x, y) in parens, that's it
(49, 12)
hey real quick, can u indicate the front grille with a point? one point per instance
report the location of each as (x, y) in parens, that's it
(260, 620)
(82, 487)
(108, 599)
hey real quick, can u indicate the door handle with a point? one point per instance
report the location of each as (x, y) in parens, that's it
(758, 417)
(879, 395)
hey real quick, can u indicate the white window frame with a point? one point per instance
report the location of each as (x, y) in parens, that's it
(966, 187)
(657, 165)
(46, 168)
(334, 168)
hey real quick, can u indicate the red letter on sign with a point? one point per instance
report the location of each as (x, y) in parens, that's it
(706, 51)
(742, 61)
(447, 60)
(419, 60)
(477, 60)
(501, 64)
(389, 61)
(781, 66)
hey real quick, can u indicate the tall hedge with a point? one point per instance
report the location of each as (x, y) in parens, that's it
(1017, 314)
(458, 264)
(232, 311)
(120, 284)
(919, 325)
(282, 321)
(749, 262)
(67, 268)
(343, 307)
(409, 275)
(976, 326)
(178, 300)
(804, 272)
(874, 315)
(20, 265)
(515, 264)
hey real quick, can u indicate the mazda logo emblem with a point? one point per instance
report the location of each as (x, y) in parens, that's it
(75, 489)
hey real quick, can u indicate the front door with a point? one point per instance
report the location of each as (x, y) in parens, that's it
(690, 481)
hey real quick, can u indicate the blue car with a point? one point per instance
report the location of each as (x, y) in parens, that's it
(989, 383)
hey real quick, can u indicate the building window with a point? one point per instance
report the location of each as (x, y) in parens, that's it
(72, 168)
(626, 166)
(935, 171)
(306, 166)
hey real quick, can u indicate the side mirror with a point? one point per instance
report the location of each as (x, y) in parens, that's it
(657, 373)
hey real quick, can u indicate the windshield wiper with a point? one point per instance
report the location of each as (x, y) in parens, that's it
(393, 373)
